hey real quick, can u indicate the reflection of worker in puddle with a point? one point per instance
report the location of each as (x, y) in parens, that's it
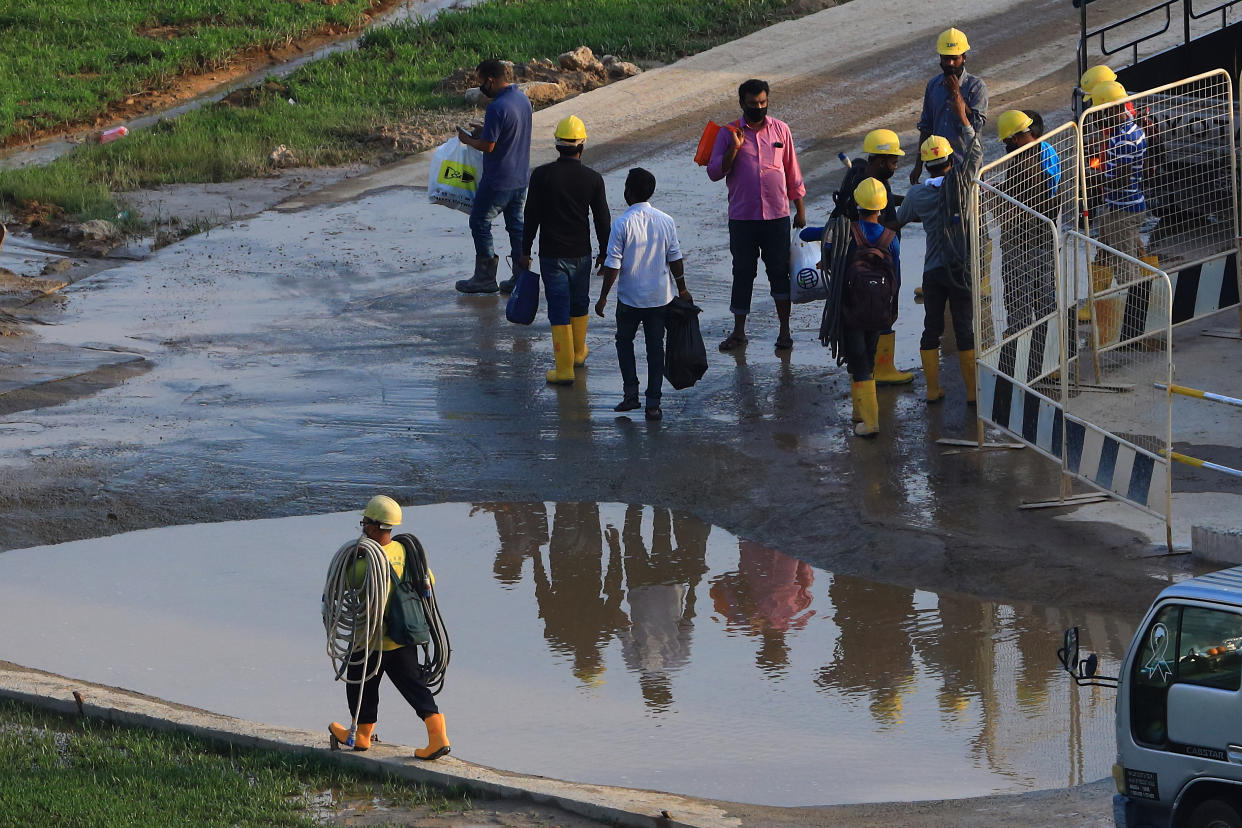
(580, 610)
(873, 653)
(764, 598)
(961, 651)
(660, 590)
(522, 529)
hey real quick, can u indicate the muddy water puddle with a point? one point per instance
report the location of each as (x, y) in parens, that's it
(600, 643)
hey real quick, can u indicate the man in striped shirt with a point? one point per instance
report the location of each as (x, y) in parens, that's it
(1122, 183)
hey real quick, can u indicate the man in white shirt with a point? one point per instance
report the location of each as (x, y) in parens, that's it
(642, 252)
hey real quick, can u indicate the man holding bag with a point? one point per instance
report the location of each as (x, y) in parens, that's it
(755, 156)
(561, 195)
(642, 251)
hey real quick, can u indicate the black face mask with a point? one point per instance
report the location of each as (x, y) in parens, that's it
(754, 114)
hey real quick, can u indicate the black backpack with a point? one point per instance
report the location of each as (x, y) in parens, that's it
(869, 302)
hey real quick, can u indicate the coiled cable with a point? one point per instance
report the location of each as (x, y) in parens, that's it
(353, 615)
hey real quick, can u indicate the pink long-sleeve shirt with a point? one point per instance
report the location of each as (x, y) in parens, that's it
(765, 175)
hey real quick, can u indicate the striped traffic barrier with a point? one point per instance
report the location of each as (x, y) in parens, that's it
(1195, 392)
(1203, 464)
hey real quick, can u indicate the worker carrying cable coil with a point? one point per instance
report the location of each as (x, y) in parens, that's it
(380, 615)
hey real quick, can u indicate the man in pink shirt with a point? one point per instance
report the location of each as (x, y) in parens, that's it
(755, 156)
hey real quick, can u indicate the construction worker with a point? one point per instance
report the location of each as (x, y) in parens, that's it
(1028, 247)
(859, 340)
(1119, 181)
(940, 203)
(755, 156)
(560, 195)
(938, 117)
(399, 662)
(883, 150)
(504, 140)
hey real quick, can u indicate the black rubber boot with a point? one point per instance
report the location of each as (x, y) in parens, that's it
(484, 278)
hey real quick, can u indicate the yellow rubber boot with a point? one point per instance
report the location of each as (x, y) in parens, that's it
(886, 372)
(437, 740)
(869, 408)
(1101, 280)
(931, 370)
(362, 739)
(855, 416)
(966, 359)
(563, 349)
(579, 325)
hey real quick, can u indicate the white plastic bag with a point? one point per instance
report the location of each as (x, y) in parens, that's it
(454, 174)
(806, 281)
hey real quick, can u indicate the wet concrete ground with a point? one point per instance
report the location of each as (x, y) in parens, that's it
(603, 643)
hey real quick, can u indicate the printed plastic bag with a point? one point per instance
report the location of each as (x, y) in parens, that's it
(806, 282)
(685, 357)
(524, 301)
(455, 170)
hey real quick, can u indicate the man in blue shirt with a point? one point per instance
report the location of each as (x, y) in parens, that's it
(1121, 182)
(938, 117)
(504, 140)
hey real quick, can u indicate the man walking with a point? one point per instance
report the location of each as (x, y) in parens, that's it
(560, 195)
(642, 251)
(938, 116)
(883, 149)
(940, 204)
(504, 140)
(755, 155)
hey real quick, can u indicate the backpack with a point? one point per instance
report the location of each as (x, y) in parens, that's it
(870, 299)
(405, 621)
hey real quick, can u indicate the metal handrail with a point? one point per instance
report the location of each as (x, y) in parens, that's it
(1188, 14)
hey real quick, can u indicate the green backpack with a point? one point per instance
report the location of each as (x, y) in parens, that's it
(405, 622)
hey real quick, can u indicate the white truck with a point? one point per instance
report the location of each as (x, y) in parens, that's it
(1179, 707)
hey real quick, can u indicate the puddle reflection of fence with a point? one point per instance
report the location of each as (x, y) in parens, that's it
(990, 668)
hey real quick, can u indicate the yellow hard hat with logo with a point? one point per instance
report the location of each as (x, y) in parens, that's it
(952, 42)
(1107, 92)
(871, 195)
(935, 149)
(1094, 76)
(1011, 122)
(882, 142)
(570, 131)
(383, 510)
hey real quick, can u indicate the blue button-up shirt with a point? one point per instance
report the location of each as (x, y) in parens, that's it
(938, 119)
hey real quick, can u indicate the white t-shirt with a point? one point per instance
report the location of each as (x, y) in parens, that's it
(642, 244)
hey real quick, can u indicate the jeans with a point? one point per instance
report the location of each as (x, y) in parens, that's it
(488, 203)
(402, 668)
(938, 289)
(747, 241)
(652, 320)
(567, 284)
(859, 348)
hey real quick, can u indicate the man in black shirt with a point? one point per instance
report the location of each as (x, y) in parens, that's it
(557, 201)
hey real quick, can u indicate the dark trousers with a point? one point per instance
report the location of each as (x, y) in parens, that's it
(941, 288)
(859, 348)
(403, 670)
(1027, 276)
(748, 240)
(652, 320)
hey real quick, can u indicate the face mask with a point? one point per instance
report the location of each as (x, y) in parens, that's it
(754, 114)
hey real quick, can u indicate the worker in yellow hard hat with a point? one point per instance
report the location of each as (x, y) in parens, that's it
(1027, 241)
(937, 117)
(869, 301)
(883, 153)
(564, 198)
(399, 662)
(940, 204)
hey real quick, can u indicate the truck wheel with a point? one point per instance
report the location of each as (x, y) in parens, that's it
(1215, 813)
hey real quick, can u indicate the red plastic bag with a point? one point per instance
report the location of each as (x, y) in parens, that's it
(706, 143)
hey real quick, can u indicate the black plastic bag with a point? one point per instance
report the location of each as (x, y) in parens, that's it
(685, 358)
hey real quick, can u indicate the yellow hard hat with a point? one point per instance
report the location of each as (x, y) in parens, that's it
(1096, 75)
(570, 130)
(1106, 93)
(383, 510)
(935, 149)
(1012, 122)
(871, 195)
(882, 142)
(952, 42)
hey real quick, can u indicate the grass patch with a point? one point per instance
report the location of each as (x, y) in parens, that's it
(341, 101)
(81, 772)
(67, 61)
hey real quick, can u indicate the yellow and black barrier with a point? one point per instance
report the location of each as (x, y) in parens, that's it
(1197, 393)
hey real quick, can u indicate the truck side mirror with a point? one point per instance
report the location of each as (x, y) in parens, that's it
(1068, 654)
(1089, 666)
(1082, 671)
